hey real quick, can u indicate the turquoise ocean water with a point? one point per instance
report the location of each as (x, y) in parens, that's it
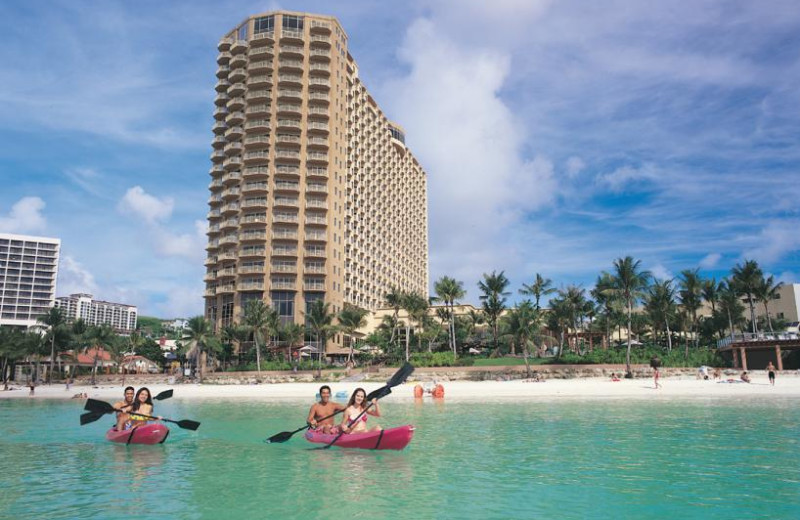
(532, 459)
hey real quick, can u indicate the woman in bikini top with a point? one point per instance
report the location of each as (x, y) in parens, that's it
(355, 416)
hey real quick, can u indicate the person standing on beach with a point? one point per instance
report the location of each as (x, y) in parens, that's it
(771, 373)
(320, 416)
(655, 362)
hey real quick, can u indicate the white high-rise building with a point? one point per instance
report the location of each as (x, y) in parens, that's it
(28, 273)
(120, 316)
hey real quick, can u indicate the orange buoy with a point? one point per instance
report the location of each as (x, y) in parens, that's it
(418, 391)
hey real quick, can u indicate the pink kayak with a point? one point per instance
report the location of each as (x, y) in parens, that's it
(155, 433)
(391, 439)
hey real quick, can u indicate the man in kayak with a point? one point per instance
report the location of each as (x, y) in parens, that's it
(124, 406)
(320, 417)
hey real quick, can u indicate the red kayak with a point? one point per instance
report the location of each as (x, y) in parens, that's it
(155, 433)
(391, 439)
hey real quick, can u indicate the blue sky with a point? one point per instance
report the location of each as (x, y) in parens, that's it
(557, 136)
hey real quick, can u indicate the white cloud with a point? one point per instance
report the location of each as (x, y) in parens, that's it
(574, 166)
(190, 246)
(775, 241)
(25, 216)
(710, 260)
(626, 178)
(661, 273)
(151, 209)
(87, 179)
(74, 278)
(182, 302)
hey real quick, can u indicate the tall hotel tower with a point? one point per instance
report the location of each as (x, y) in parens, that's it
(314, 194)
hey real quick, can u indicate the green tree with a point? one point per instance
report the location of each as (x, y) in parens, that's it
(540, 287)
(523, 324)
(766, 291)
(416, 307)
(493, 289)
(351, 318)
(660, 305)
(319, 322)
(745, 279)
(711, 294)
(292, 335)
(11, 349)
(690, 295)
(449, 291)
(54, 318)
(198, 335)
(630, 282)
(394, 299)
(100, 337)
(263, 321)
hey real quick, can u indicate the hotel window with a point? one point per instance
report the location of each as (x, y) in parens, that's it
(227, 309)
(293, 23)
(283, 302)
(264, 24)
(242, 33)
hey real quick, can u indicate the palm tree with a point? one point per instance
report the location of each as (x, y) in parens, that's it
(262, 321)
(746, 279)
(319, 321)
(415, 306)
(629, 285)
(100, 337)
(493, 287)
(449, 290)
(198, 334)
(394, 299)
(558, 320)
(12, 347)
(711, 294)
(53, 319)
(523, 324)
(766, 291)
(605, 296)
(352, 318)
(540, 287)
(730, 304)
(292, 335)
(660, 306)
(691, 287)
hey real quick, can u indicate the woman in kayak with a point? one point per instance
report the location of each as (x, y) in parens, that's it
(142, 405)
(355, 415)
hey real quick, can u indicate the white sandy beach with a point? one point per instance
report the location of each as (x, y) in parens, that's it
(787, 385)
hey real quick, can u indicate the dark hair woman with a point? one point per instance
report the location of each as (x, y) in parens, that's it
(355, 415)
(142, 405)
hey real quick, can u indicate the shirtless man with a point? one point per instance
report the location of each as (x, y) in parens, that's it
(318, 416)
(125, 405)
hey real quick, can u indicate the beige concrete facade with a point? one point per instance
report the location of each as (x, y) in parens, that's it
(313, 192)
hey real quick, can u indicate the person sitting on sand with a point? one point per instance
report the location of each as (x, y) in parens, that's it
(614, 377)
(702, 373)
(717, 373)
(320, 416)
(355, 415)
(745, 377)
(124, 407)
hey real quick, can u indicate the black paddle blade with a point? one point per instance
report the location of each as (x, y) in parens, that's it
(93, 405)
(280, 437)
(401, 375)
(166, 394)
(187, 424)
(380, 393)
(90, 417)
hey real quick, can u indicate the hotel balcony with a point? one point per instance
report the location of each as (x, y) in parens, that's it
(234, 132)
(260, 66)
(254, 251)
(224, 57)
(285, 154)
(230, 208)
(316, 237)
(286, 202)
(320, 54)
(210, 293)
(319, 82)
(290, 65)
(214, 214)
(309, 285)
(317, 126)
(290, 94)
(238, 60)
(251, 286)
(259, 81)
(315, 251)
(317, 157)
(318, 112)
(317, 172)
(291, 79)
(256, 172)
(320, 27)
(219, 142)
(282, 285)
(228, 224)
(211, 260)
(217, 156)
(224, 44)
(234, 118)
(289, 124)
(227, 255)
(254, 235)
(232, 163)
(260, 53)
(219, 127)
(216, 184)
(284, 234)
(317, 188)
(258, 125)
(285, 218)
(316, 220)
(237, 75)
(321, 97)
(262, 38)
(226, 289)
(253, 219)
(232, 177)
(239, 46)
(317, 142)
(260, 110)
(255, 187)
(222, 85)
(320, 68)
(251, 269)
(292, 36)
(316, 204)
(262, 95)
(237, 89)
(314, 269)
(320, 40)
(290, 139)
(222, 71)
(228, 240)
(287, 186)
(231, 193)
(284, 251)
(291, 50)
(233, 148)
(257, 141)
(256, 157)
(228, 272)
(215, 200)
(220, 113)
(212, 245)
(283, 268)
(286, 169)
(255, 203)
(289, 109)
(235, 104)
(221, 99)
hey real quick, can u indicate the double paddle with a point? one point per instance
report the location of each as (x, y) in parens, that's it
(97, 409)
(398, 378)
